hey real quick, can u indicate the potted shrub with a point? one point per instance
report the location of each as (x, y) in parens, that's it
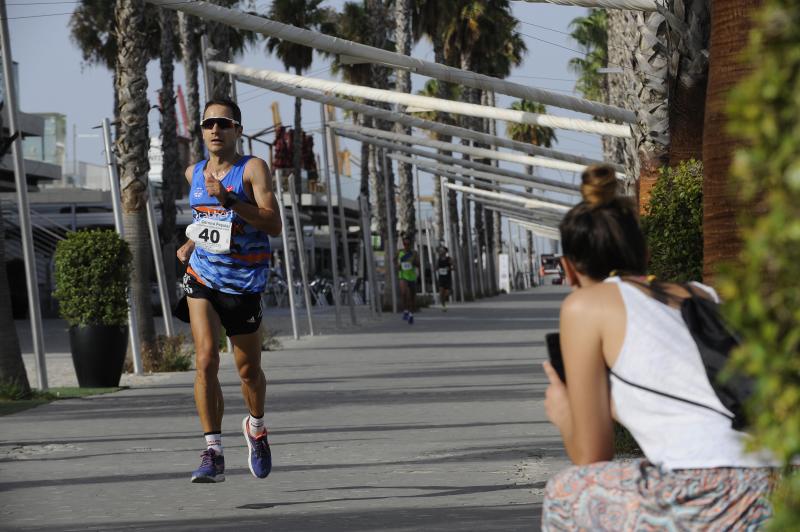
(93, 271)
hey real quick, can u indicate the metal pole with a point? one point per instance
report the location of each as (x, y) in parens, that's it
(419, 235)
(116, 204)
(342, 220)
(488, 268)
(301, 251)
(391, 252)
(458, 287)
(366, 235)
(512, 255)
(287, 261)
(21, 181)
(204, 65)
(161, 274)
(331, 226)
(434, 273)
(466, 205)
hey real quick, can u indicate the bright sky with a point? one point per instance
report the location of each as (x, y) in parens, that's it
(53, 78)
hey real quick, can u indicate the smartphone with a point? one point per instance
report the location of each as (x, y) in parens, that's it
(554, 353)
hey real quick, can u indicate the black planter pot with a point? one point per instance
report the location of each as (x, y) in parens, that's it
(98, 354)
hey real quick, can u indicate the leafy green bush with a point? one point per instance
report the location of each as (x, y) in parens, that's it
(673, 223)
(93, 271)
(762, 289)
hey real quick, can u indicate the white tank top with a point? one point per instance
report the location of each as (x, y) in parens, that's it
(659, 353)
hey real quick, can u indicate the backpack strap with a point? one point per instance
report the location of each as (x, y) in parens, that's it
(669, 395)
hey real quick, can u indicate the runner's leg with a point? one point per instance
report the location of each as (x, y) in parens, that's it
(247, 354)
(205, 324)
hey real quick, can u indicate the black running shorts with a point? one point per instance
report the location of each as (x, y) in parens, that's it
(445, 281)
(239, 313)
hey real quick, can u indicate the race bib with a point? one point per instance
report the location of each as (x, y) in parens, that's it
(213, 236)
(406, 266)
(444, 271)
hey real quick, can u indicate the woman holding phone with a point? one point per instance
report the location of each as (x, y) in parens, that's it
(615, 340)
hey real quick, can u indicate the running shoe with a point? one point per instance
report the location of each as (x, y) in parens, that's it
(259, 456)
(212, 468)
(405, 315)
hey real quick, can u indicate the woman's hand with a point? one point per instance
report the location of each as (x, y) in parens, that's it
(556, 402)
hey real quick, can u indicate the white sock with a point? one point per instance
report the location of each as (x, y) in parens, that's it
(214, 441)
(256, 425)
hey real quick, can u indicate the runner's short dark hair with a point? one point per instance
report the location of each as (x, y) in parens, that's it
(230, 104)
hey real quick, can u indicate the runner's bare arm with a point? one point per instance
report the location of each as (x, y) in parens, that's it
(264, 215)
(185, 251)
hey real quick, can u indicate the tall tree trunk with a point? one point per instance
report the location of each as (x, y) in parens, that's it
(12, 368)
(438, 208)
(622, 87)
(190, 48)
(689, 78)
(220, 43)
(652, 131)
(132, 146)
(170, 167)
(403, 37)
(731, 24)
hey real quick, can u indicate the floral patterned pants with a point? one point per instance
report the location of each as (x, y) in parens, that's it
(639, 496)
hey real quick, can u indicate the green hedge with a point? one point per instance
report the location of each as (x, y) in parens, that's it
(93, 271)
(673, 224)
(762, 288)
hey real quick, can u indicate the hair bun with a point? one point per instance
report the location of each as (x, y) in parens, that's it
(599, 185)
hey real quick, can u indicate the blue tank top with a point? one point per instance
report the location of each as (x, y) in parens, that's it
(245, 268)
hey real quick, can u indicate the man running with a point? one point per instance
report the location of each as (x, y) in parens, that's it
(228, 252)
(444, 270)
(408, 263)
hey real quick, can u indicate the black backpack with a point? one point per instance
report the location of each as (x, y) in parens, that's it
(714, 340)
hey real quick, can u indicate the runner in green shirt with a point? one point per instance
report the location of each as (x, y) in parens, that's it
(408, 262)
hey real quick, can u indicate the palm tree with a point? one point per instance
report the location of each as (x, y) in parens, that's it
(449, 91)
(12, 368)
(188, 29)
(622, 86)
(536, 135)
(303, 14)
(93, 30)
(482, 36)
(591, 33)
(352, 24)
(688, 81)
(721, 239)
(651, 132)
(132, 145)
(430, 20)
(171, 174)
(403, 40)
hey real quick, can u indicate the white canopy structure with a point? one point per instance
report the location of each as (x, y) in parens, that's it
(633, 5)
(487, 172)
(412, 121)
(427, 102)
(461, 174)
(319, 41)
(481, 153)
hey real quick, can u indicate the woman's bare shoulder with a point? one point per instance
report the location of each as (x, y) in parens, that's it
(597, 299)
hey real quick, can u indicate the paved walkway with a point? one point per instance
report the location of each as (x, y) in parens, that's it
(435, 426)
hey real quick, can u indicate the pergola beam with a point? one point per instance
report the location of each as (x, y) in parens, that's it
(428, 102)
(544, 155)
(326, 43)
(487, 171)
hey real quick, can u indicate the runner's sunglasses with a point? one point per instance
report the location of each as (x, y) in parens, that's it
(221, 122)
